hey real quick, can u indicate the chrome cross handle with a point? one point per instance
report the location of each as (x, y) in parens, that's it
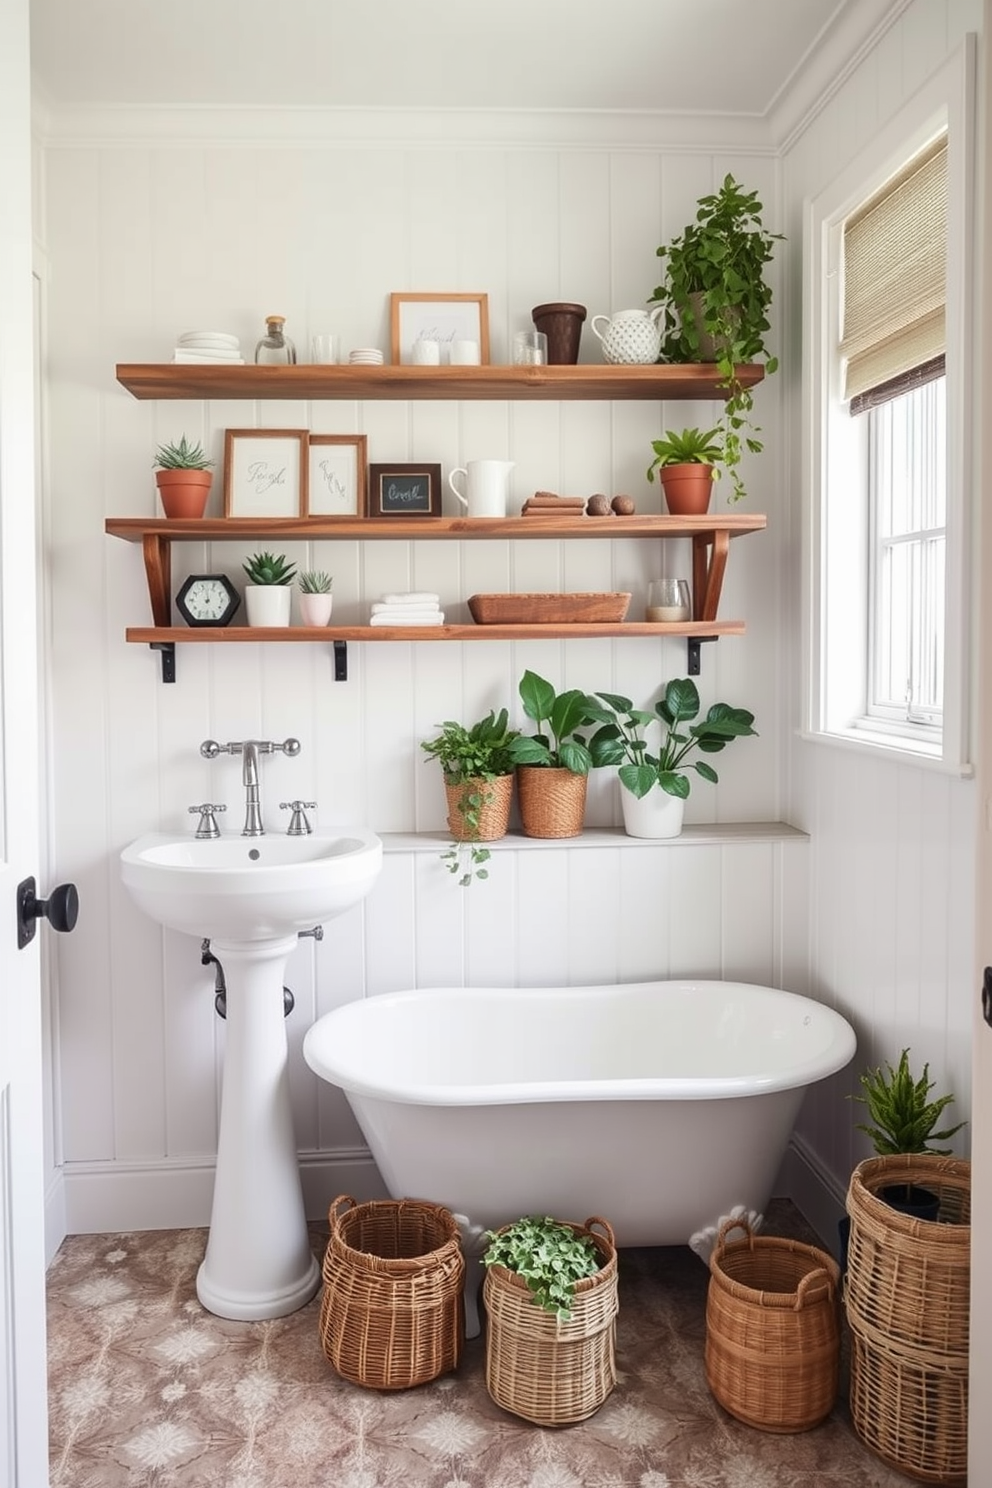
(207, 825)
(299, 826)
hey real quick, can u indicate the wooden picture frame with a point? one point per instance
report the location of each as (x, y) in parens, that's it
(437, 317)
(265, 472)
(337, 475)
(412, 489)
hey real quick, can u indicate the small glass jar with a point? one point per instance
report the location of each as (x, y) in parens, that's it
(275, 349)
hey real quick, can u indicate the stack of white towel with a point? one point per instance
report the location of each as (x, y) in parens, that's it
(415, 608)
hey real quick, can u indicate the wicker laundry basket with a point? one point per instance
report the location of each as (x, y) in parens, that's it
(392, 1312)
(548, 1371)
(907, 1301)
(772, 1330)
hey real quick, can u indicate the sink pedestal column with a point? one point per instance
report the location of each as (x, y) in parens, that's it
(258, 1262)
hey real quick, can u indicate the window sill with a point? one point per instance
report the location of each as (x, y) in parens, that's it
(893, 748)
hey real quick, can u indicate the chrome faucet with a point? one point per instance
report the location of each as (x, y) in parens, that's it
(250, 749)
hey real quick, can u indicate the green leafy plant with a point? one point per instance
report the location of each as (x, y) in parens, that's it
(557, 742)
(315, 581)
(471, 757)
(715, 286)
(181, 456)
(690, 447)
(902, 1115)
(266, 568)
(620, 740)
(548, 1255)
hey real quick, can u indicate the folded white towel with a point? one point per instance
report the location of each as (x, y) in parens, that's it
(416, 596)
(382, 608)
(436, 617)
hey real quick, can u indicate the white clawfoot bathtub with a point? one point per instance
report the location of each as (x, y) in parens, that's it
(659, 1105)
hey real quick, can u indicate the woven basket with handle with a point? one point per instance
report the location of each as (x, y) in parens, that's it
(907, 1296)
(392, 1313)
(540, 1368)
(772, 1330)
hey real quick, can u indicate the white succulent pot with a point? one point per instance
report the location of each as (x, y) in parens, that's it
(315, 609)
(268, 604)
(655, 815)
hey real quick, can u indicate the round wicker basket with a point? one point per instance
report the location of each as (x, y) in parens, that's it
(552, 801)
(493, 814)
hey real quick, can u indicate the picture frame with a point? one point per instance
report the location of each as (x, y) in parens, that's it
(437, 317)
(337, 475)
(412, 489)
(265, 472)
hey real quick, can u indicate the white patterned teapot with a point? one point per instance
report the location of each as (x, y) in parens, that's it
(631, 336)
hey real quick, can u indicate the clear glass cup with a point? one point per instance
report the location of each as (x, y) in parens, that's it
(530, 349)
(668, 601)
(323, 349)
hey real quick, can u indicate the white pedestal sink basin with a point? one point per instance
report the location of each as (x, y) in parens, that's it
(251, 896)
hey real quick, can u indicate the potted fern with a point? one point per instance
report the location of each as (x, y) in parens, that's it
(478, 781)
(716, 300)
(183, 477)
(552, 764)
(316, 598)
(268, 596)
(687, 465)
(903, 1118)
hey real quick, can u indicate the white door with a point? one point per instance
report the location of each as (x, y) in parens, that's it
(23, 1410)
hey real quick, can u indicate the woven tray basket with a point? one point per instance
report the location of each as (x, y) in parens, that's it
(907, 1302)
(772, 1330)
(552, 801)
(546, 1371)
(493, 814)
(392, 1312)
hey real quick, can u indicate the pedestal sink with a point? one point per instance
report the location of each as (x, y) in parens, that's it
(252, 896)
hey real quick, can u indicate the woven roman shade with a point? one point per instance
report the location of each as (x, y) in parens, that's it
(895, 252)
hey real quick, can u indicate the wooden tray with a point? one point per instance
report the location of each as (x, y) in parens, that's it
(547, 609)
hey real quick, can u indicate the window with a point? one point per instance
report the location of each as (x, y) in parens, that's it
(887, 435)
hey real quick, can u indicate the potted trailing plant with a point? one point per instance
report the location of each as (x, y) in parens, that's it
(716, 301)
(655, 786)
(316, 599)
(267, 593)
(687, 465)
(478, 781)
(552, 764)
(183, 477)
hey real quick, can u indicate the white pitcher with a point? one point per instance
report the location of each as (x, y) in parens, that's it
(632, 337)
(487, 486)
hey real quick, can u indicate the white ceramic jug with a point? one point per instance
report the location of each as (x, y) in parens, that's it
(631, 336)
(487, 486)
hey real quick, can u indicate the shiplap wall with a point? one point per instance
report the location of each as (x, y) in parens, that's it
(892, 857)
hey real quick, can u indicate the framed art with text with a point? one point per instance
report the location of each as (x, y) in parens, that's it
(265, 472)
(408, 490)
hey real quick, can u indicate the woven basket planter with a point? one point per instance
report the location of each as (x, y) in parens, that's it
(772, 1330)
(493, 814)
(907, 1302)
(552, 801)
(392, 1312)
(546, 1371)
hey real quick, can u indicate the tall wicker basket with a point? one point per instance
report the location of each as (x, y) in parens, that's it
(392, 1312)
(772, 1330)
(549, 1372)
(907, 1302)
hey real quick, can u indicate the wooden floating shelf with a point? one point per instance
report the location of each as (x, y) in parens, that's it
(237, 634)
(657, 381)
(389, 529)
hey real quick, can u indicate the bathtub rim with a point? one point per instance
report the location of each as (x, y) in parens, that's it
(838, 1054)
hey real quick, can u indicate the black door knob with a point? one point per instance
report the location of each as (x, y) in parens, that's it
(60, 909)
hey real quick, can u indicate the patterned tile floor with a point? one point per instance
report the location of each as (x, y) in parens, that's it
(147, 1390)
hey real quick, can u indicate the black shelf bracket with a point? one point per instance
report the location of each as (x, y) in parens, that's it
(168, 650)
(693, 654)
(340, 661)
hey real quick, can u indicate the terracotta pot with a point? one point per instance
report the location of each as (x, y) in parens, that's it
(183, 493)
(562, 324)
(687, 489)
(552, 801)
(493, 814)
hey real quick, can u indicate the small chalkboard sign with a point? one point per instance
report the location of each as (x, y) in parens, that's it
(410, 490)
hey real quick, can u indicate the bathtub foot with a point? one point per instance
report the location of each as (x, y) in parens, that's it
(703, 1240)
(473, 1240)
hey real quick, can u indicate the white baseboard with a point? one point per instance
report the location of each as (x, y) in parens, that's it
(112, 1197)
(56, 1226)
(814, 1191)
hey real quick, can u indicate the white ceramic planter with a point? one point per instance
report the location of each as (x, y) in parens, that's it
(315, 609)
(268, 604)
(655, 815)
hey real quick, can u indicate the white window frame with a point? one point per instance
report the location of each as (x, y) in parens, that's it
(835, 453)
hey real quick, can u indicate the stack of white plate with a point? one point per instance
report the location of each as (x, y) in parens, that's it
(207, 346)
(365, 356)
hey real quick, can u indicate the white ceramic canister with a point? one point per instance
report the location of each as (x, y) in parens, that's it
(630, 337)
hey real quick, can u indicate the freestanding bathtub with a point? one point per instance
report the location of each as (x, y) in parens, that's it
(658, 1105)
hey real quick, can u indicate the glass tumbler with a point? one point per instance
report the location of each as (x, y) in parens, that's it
(668, 601)
(530, 349)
